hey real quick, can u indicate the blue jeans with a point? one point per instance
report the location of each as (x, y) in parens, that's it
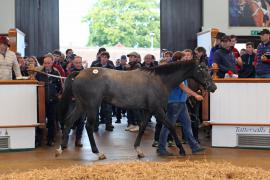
(178, 111)
(263, 76)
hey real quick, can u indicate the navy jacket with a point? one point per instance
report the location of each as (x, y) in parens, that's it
(97, 63)
(263, 67)
(225, 60)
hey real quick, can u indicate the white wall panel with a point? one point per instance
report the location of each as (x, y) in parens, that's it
(18, 104)
(240, 103)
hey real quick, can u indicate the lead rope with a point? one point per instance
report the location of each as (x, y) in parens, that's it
(50, 75)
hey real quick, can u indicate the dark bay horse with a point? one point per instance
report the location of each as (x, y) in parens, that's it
(146, 89)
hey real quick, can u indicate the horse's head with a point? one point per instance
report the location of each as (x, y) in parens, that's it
(201, 75)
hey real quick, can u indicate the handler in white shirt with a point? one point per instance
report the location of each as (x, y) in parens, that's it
(8, 61)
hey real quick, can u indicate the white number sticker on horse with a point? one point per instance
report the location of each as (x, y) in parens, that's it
(95, 71)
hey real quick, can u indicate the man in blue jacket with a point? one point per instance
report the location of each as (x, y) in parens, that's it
(216, 47)
(177, 109)
(263, 55)
(224, 58)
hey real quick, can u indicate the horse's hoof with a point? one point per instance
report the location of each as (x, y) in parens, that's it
(141, 155)
(182, 153)
(58, 152)
(101, 156)
(64, 147)
(139, 152)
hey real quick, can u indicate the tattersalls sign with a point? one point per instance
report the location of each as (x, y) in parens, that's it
(252, 130)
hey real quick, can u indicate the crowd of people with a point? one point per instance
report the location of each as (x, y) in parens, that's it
(183, 102)
(248, 63)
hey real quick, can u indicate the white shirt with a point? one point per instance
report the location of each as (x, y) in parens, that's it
(9, 62)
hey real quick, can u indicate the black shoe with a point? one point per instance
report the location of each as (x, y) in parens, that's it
(50, 143)
(37, 144)
(102, 121)
(109, 128)
(64, 147)
(171, 144)
(164, 153)
(155, 144)
(109, 125)
(96, 129)
(198, 151)
(118, 121)
(78, 142)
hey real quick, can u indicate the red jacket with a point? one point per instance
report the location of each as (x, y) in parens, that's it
(236, 55)
(60, 69)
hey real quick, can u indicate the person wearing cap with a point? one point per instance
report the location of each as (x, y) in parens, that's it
(224, 58)
(134, 116)
(263, 55)
(133, 62)
(216, 47)
(105, 109)
(8, 61)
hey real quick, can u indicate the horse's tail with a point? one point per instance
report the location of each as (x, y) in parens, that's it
(66, 103)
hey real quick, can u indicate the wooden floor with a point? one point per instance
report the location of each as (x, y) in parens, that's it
(118, 146)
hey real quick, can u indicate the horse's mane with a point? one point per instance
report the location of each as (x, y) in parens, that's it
(168, 68)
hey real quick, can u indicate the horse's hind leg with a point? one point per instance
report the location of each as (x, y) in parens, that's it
(91, 120)
(69, 121)
(163, 118)
(143, 125)
(75, 114)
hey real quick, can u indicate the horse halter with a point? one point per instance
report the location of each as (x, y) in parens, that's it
(201, 69)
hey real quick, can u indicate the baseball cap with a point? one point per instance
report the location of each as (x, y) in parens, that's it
(4, 40)
(133, 54)
(264, 31)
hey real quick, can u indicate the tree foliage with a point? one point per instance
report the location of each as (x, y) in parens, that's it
(128, 22)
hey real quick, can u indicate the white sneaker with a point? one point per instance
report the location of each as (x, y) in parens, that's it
(129, 127)
(134, 129)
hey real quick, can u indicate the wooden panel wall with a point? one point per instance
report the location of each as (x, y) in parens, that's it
(180, 20)
(39, 20)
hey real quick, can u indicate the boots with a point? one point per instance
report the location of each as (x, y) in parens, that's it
(78, 142)
(118, 121)
(109, 127)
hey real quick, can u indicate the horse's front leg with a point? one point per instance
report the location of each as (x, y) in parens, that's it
(90, 124)
(140, 134)
(164, 119)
